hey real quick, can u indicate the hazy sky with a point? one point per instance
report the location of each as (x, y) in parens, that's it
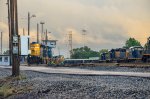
(108, 22)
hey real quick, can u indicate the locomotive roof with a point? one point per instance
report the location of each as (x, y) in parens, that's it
(136, 47)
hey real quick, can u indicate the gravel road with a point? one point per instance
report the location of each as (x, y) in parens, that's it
(59, 86)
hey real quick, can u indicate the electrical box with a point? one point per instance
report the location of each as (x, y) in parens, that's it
(15, 39)
(15, 44)
(15, 49)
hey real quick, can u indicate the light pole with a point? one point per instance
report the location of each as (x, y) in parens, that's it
(9, 25)
(29, 18)
(42, 28)
(37, 33)
(1, 43)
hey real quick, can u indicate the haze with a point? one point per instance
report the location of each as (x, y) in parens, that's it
(109, 23)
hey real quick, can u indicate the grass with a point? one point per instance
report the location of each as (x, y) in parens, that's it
(20, 77)
(6, 89)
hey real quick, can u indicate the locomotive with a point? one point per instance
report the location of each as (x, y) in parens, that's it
(133, 54)
(39, 53)
(35, 56)
(42, 54)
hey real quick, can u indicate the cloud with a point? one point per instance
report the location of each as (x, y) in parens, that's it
(108, 22)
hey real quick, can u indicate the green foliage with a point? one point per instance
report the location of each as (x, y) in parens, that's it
(103, 51)
(84, 53)
(147, 45)
(132, 42)
(6, 52)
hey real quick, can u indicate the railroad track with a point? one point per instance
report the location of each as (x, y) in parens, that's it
(140, 65)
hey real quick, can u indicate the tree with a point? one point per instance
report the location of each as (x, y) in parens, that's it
(6, 52)
(132, 42)
(84, 53)
(147, 45)
(103, 51)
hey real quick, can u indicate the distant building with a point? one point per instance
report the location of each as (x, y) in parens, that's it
(24, 48)
(4, 60)
(24, 45)
(50, 43)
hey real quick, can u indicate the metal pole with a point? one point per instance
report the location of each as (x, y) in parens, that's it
(9, 25)
(37, 33)
(28, 30)
(1, 43)
(46, 46)
(46, 37)
(42, 26)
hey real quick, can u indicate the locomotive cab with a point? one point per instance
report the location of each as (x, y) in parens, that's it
(135, 53)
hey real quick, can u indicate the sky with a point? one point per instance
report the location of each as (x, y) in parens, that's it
(108, 23)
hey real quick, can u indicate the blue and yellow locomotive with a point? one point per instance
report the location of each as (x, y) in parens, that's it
(39, 53)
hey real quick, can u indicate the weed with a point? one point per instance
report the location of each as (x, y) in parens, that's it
(6, 90)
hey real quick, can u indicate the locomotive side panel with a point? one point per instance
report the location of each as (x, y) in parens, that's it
(35, 49)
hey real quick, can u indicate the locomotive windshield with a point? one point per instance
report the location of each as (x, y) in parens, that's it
(139, 48)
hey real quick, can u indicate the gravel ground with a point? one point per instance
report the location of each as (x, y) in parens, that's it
(115, 68)
(59, 86)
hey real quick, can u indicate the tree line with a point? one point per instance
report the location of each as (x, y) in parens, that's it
(86, 52)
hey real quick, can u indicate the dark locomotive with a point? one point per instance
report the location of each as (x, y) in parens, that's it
(133, 54)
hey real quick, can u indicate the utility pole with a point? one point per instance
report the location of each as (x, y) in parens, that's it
(14, 38)
(46, 38)
(37, 33)
(29, 31)
(70, 43)
(9, 29)
(29, 18)
(42, 28)
(1, 43)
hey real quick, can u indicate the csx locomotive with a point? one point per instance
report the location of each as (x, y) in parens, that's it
(39, 53)
(133, 54)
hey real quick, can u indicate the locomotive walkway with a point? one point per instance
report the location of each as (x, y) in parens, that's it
(75, 71)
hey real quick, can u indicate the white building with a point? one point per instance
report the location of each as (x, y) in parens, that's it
(24, 45)
(4, 60)
(50, 43)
